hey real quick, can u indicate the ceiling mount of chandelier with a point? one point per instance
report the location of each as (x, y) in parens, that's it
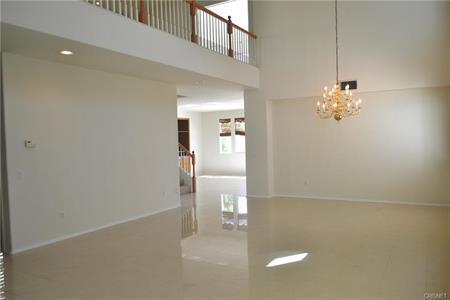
(337, 103)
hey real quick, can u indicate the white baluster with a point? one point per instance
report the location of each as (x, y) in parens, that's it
(136, 10)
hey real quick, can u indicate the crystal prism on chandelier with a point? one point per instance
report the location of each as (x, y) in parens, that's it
(337, 103)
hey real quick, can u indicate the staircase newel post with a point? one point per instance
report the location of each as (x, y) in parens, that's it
(194, 179)
(193, 11)
(230, 32)
(143, 16)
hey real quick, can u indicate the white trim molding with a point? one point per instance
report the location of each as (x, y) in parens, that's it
(347, 199)
(359, 200)
(259, 196)
(222, 176)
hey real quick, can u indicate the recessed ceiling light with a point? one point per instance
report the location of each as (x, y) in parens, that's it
(66, 52)
(286, 260)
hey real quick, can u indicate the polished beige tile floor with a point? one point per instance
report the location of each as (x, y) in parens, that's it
(220, 247)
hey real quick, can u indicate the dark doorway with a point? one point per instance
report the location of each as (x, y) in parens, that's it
(184, 133)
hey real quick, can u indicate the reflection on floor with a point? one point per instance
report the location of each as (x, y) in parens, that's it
(234, 212)
(228, 247)
(215, 261)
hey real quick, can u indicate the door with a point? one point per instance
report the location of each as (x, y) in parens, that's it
(184, 132)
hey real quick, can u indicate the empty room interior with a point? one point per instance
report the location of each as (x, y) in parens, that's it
(237, 149)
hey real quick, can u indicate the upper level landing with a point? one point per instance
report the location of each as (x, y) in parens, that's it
(106, 38)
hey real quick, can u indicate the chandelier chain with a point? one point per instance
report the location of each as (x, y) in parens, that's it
(337, 102)
(337, 47)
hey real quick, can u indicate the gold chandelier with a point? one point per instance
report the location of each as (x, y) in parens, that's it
(337, 103)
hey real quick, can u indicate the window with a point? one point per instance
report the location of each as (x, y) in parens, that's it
(225, 136)
(239, 135)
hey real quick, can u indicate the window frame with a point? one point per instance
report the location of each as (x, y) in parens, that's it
(232, 135)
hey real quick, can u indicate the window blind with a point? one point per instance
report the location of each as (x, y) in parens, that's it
(225, 127)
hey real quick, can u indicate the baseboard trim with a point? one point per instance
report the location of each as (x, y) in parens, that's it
(259, 196)
(79, 233)
(359, 200)
(223, 176)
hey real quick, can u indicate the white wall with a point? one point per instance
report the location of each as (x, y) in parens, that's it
(196, 136)
(106, 149)
(258, 157)
(396, 150)
(215, 163)
(384, 45)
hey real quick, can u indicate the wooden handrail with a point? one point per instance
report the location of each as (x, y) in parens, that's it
(242, 50)
(194, 178)
(245, 31)
(184, 149)
(210, 12)
(192, 162)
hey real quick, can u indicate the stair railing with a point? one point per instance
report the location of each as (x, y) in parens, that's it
(186, 161)
(189, 20)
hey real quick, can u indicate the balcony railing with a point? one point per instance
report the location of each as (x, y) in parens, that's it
(189, 20)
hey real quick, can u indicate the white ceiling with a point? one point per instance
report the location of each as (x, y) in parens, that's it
(202, 97)
(209, 106)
